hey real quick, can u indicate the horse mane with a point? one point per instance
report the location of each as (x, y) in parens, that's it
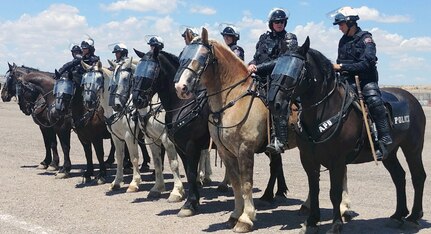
(171, 57)
(325, 65)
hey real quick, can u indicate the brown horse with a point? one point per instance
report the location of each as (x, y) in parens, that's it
(331, 132)
(51, 161)
(238, 119)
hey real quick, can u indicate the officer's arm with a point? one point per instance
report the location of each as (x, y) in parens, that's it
(266, 68)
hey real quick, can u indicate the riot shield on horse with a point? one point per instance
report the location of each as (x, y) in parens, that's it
(331, 132)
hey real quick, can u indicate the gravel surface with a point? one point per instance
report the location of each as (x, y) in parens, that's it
(32, 201)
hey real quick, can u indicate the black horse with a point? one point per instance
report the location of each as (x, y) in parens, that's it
(34, 91)
(51, 160)
(187, 121)
(331, 132)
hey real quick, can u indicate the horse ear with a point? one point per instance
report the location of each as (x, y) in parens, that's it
(189, 37)
(305, 47)
(57, 74)
(139, 53)
(204, 36)
(99, 65)
(111, 63)
(10, 66)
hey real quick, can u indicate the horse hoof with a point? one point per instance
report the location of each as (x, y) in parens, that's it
(132, 189)
(304, 211)
(207, 182)
(336, 227)
(186, 213)
(86, 179)
(411, 225)
(101, 180)
(42, 166)
(154, 195)
(308, 230)
(223, 188)
(242, 227)
(52, 168)
(62, 175)
(394, 223)
(231, 222)
(114, 187)
(174, 198)
(347, 216)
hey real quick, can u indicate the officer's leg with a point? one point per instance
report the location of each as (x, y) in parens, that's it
(279, 108)
(377, 110)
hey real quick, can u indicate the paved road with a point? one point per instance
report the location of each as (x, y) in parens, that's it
(32, 201)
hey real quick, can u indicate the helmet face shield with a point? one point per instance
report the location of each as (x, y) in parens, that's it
(344, 14)
(229, 30)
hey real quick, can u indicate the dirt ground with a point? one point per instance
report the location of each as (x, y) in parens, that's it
(32, 201)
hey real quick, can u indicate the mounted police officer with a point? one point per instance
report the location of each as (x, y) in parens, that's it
(231, 37)
(121, 52)
(156, 41)
(269, 47)
(357, 56)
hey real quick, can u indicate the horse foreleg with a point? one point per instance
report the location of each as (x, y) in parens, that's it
(47, 143)
(336, 192)
(346, 213)
(313, 173)
(177, 193)
(119, 157)
(159, 185)
(89, 158)
(64, 136)
(223, 187)
(110, 160)
(134, 159)
(100, 154)
(191, 166)
(232, 171)
(246, 163)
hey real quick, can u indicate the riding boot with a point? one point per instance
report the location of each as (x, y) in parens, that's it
(385, 139)
(279, 139)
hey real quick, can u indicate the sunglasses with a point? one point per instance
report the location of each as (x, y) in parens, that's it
(278, 21)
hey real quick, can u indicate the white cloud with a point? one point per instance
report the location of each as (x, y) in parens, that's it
(203, 10)
(366, 13)
(160, 6)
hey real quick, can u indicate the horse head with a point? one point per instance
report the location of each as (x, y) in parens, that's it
(64, 89)
(193, 62)
(27, 94)
(120, 84)
(93, 85)
(145, 76)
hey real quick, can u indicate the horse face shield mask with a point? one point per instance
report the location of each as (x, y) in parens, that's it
(119, 88)
(289, 70)
(92, 83)
(146, 73)
(64, 90)
(193, 62)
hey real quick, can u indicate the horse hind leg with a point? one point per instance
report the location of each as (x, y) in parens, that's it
(418, 174)
(398, 176)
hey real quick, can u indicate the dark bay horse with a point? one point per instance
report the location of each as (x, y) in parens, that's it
(51, 161)
(331, 132)
(35, 98)
(89, 125)
(237, 117)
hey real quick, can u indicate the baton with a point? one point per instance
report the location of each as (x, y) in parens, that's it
(364, 115)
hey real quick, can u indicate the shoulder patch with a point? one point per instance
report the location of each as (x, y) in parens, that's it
(368, 40)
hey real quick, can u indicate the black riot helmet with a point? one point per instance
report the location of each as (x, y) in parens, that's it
(277, 14)
(76, 49)
(345, 14)
(230, 31)
(156, 41)
(120, 47)
(88, 44)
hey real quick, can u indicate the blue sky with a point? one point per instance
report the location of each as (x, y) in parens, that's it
(37, 33)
